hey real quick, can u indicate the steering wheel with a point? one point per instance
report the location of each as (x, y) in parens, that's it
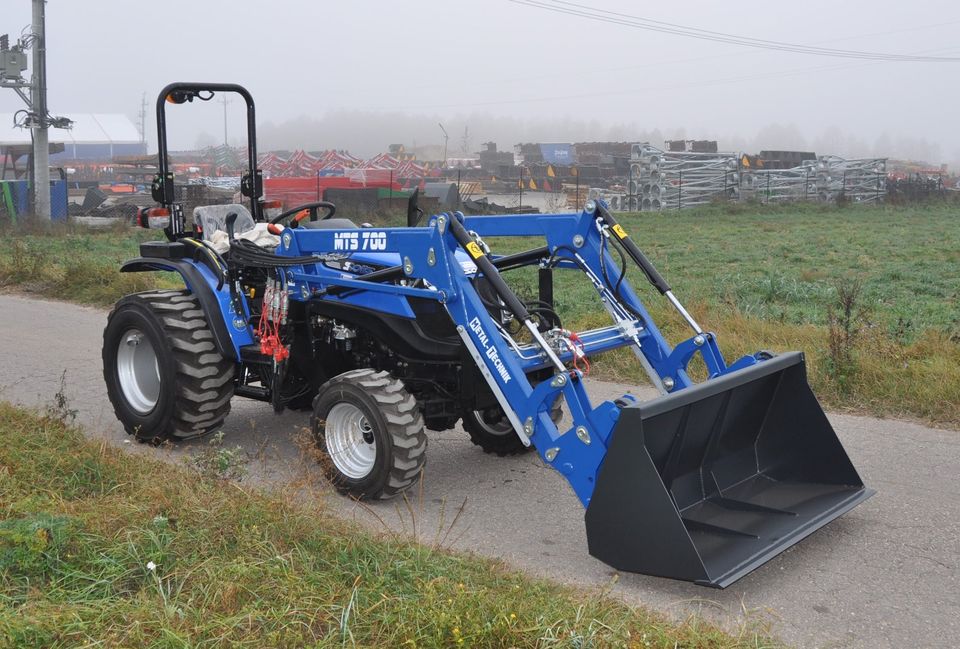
(307, 210)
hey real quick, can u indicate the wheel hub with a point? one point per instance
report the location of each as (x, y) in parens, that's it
(493, 421)
(350, 441)
(138, 371)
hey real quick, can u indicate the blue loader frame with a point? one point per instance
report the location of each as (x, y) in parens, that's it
(434, 254)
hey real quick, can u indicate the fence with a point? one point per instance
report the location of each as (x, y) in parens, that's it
(916, 188)
(16, 199)
(780, 185)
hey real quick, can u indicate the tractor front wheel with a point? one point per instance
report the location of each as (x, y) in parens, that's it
(492, 431)
(371, 434)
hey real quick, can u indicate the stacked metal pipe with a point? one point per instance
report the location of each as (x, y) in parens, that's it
(861, 181)
(780, 185)
(675, 180)
(662, 180)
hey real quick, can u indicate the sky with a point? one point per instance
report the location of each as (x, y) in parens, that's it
(360, 75)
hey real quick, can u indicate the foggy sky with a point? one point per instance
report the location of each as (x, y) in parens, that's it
(360, 75)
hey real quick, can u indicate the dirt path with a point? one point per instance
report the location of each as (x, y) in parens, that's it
(885, 575)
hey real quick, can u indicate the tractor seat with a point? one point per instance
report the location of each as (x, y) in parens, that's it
(329, 224)
(213, 218)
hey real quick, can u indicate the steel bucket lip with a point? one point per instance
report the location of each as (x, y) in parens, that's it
(719, 384)
(736, 573)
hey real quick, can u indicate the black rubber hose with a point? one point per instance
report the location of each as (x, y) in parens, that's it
(210, 258)
(623, 266)
(253, 255)
(633, 251)
(489, 271)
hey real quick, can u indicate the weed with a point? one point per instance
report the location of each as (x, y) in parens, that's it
(903, 331)
(30, 545)
(217, 462)
(59, 408)
(25, 261)
(846, 319)
(74, 263)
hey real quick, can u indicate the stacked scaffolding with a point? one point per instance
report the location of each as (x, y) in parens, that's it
(675, 180)
(861, 181)
(662, 180)
(780, 185)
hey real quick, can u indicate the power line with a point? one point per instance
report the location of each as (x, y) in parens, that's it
(702, 83)
(637, 22)
(566, 74)
(646, 89)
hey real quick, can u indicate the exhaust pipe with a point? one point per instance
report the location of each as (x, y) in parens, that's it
(709, 483)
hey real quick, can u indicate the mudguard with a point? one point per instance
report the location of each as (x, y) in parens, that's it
(217, 309)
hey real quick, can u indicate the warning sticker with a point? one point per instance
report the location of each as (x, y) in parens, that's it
(619, 231)
(474, 250)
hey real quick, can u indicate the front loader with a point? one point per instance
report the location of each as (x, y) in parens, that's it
(384, 333)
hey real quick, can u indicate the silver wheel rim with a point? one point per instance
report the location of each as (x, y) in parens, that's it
(350, 441)
(138, 371)
(500, 428)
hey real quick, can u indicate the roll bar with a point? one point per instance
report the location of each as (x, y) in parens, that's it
(251, 185)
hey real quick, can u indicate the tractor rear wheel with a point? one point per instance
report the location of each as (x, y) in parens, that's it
(492, 431)
(164, 375)
(371, 434)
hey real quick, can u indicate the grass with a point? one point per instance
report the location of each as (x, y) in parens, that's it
(782, 263)
(103, 548)
(76, 263)
(762, 277)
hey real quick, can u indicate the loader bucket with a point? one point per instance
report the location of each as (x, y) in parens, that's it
(711, 482)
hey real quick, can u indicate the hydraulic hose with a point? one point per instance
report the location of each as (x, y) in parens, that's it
(510, 299)
(489, 271)
(648, 269)
(655, 278)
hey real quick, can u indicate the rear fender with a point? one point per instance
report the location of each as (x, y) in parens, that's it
(230, 330)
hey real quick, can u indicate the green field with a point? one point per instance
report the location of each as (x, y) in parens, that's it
(761, 277)
(101, 548)
(783, 264)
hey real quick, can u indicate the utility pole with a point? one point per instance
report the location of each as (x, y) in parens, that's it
(224, 100)
(445, 138)
(38, 95)
(465, 142)
(13, 63)
(143, 123)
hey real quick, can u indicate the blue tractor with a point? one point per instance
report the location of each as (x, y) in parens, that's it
(385, 333)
